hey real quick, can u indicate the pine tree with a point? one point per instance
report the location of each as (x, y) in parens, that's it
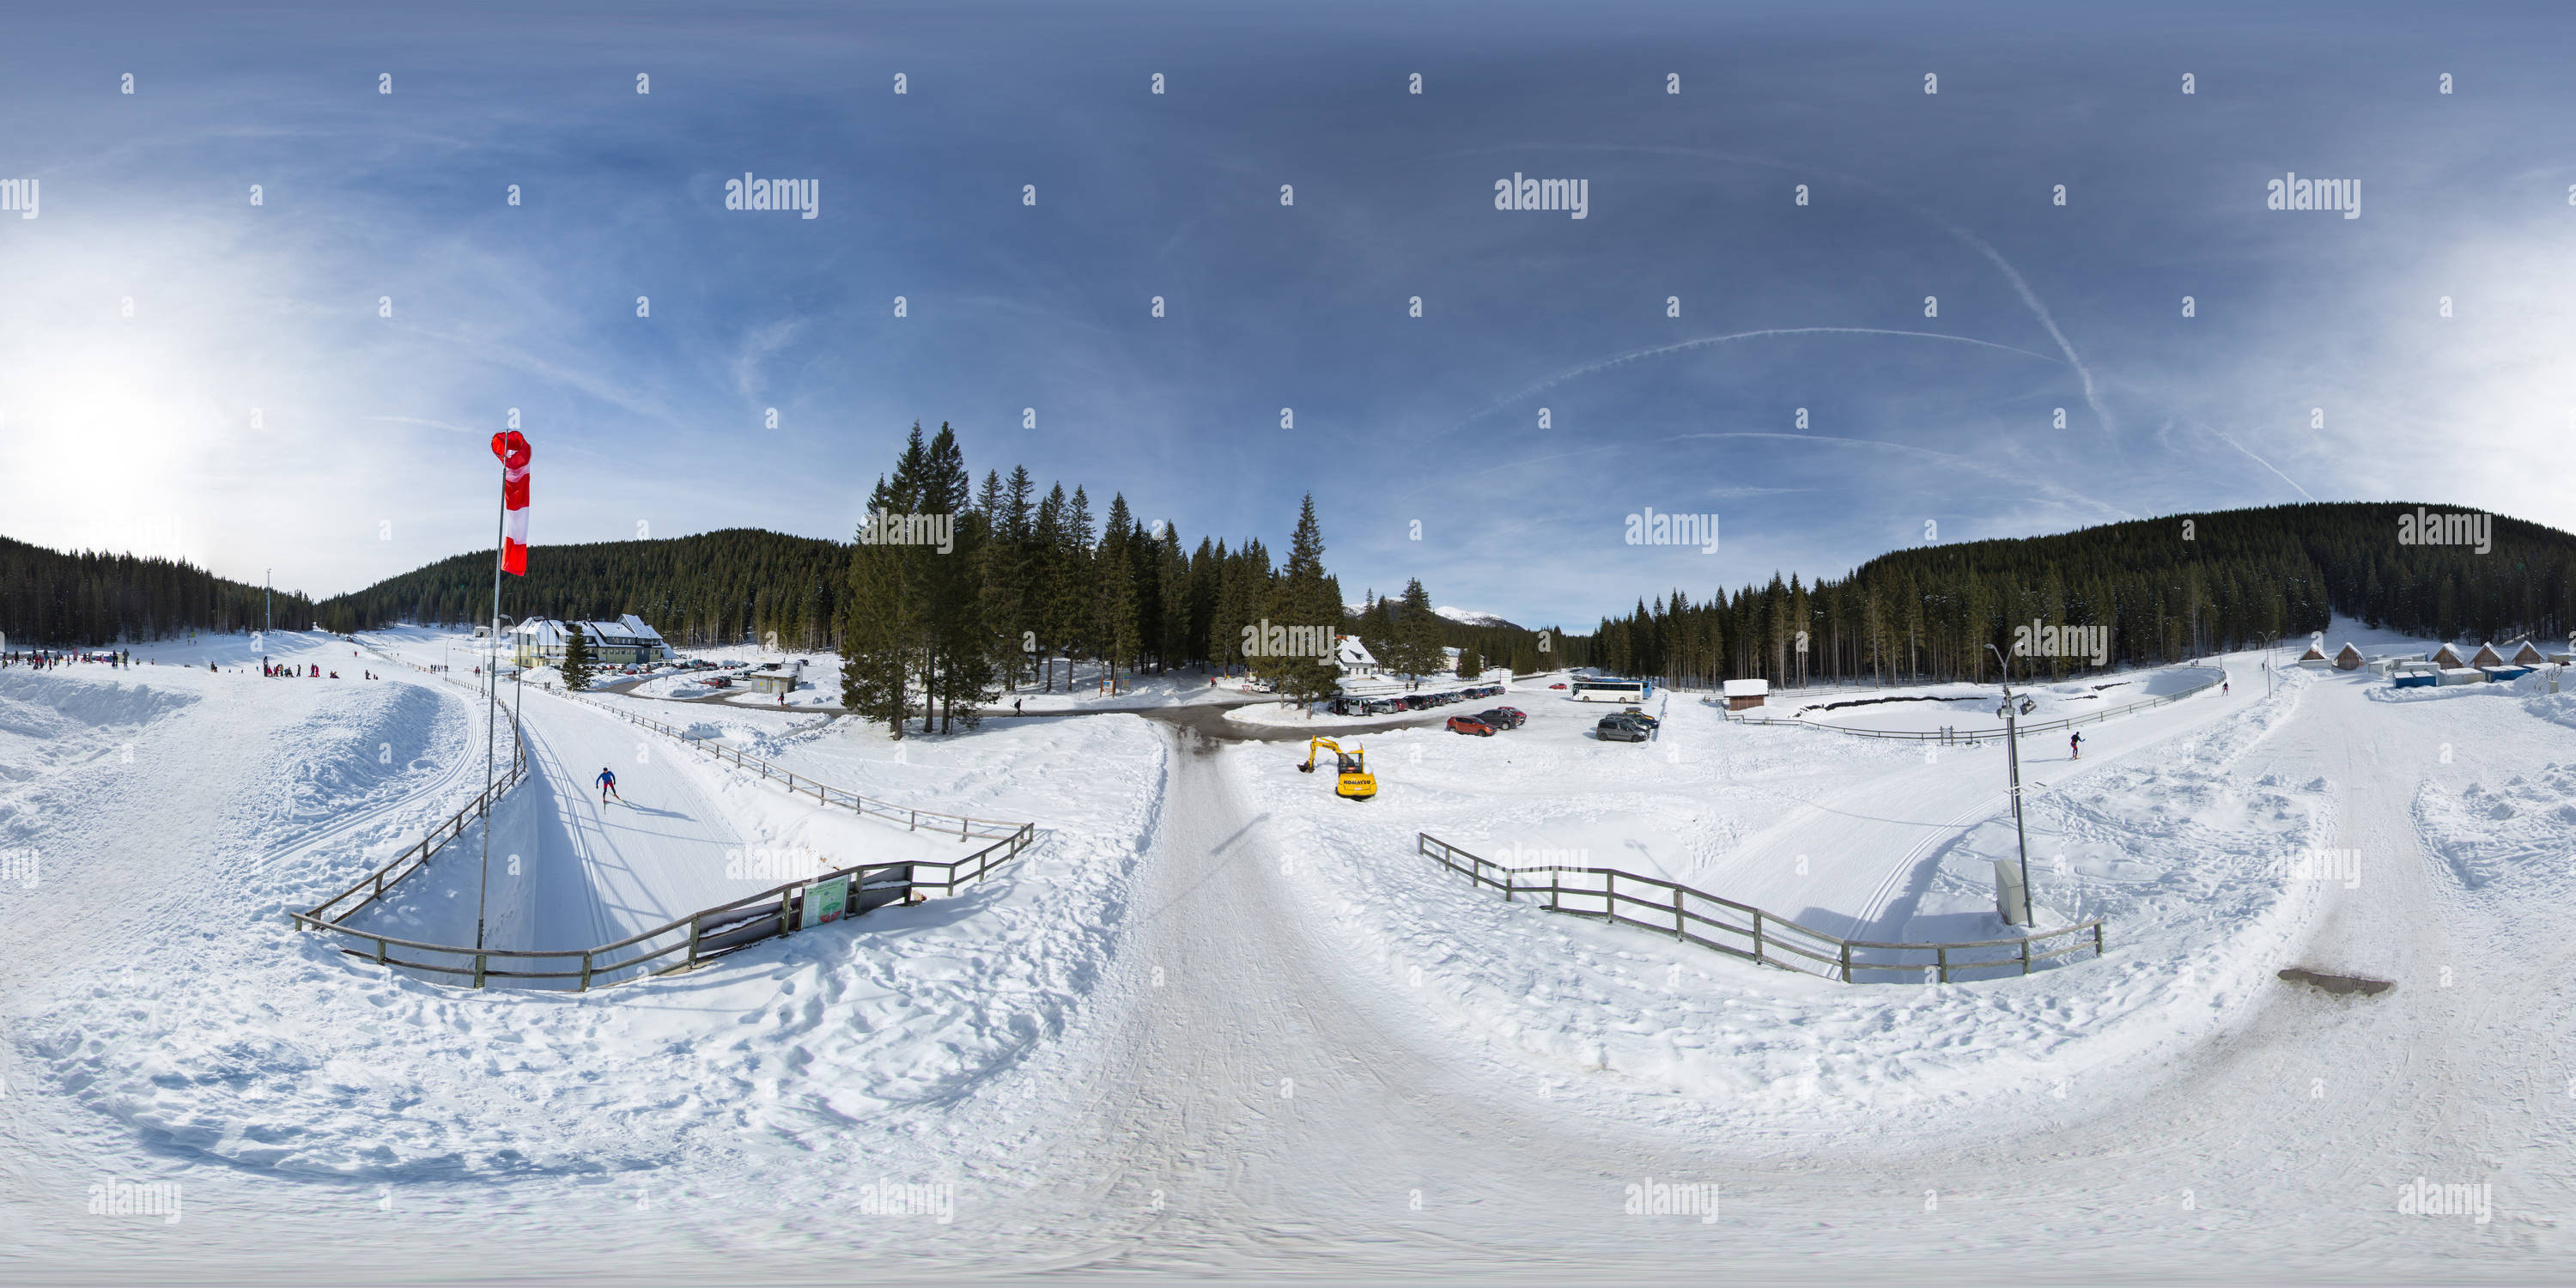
(576, 658)
(1114, 597)
(1417, 650)
(1302, 597)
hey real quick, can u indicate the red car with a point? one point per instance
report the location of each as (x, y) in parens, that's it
(1470, 724)
(1556, 686)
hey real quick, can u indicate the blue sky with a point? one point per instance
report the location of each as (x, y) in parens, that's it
(368, 456)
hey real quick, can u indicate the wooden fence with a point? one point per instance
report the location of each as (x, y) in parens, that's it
(1951, 737)
(697, 938)
(914, 819)
(1769, 938)
(412, 860)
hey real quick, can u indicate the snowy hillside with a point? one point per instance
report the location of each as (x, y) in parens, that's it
(1217, 987)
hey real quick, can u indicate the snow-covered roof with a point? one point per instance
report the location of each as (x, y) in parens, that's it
(629, 629)
(1348, 651)
(1748, 688)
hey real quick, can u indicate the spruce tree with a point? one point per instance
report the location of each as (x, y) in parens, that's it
(1302, 597)
(1417, 634)
(576, 658)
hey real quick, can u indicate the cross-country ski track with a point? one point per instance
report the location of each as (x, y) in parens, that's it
(1181, 1036)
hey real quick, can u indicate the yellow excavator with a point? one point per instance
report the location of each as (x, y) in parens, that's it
(1352, 780)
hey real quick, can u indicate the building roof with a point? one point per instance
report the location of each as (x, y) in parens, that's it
(625, 632)
(1747, 688)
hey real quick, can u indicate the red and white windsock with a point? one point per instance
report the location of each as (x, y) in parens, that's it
(513, 451)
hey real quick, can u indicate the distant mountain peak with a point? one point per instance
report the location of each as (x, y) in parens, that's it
(1469, 617)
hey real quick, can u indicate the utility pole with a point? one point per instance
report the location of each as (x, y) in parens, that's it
(2012, 762)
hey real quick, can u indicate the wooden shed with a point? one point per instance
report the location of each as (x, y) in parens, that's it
(1746, 693)
(2349, 659)
(2487, 656)
(2525, 655)
(2446, 658)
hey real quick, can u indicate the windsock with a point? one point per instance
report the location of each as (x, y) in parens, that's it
(513, 451)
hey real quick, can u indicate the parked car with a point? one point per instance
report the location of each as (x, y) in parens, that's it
(1558, 685)
(1642, 718)
(1620, 728)
(1470, 724)
(1502, 717)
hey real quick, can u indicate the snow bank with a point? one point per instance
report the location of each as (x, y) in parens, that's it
(2182, 858)
(264, 1048)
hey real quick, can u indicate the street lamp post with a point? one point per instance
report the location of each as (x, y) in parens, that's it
(2012, 762)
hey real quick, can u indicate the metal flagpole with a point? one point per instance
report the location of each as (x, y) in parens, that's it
(500, 528)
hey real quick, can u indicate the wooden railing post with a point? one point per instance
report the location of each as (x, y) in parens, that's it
(2025, 954)
(478, 970)
(1941, 953)
(1847, 978)
(1757, 934)
(585, 972)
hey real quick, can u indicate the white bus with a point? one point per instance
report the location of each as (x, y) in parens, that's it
(1609, 690)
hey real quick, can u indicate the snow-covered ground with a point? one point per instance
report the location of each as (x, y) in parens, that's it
(1221, 1020)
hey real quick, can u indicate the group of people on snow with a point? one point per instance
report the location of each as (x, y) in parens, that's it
(46, 659)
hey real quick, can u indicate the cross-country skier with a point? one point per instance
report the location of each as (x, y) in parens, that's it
(608, 786)
(2075, 746)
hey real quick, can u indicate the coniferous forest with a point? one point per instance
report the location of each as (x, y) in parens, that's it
(2169, 588)
(712, 588)
(52, 599)
(1035, 581)
(1031, 582)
